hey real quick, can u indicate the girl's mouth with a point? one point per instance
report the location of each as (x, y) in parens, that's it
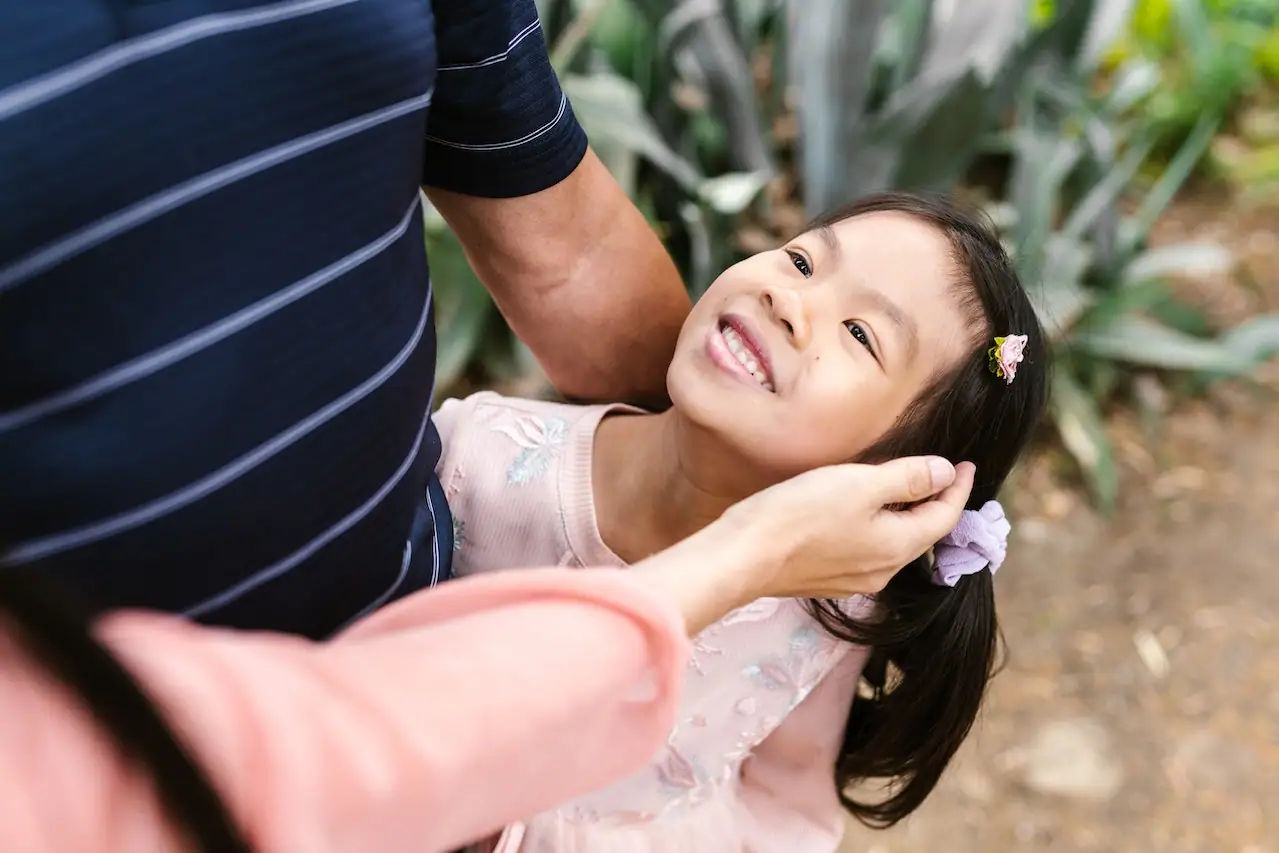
(733, 348)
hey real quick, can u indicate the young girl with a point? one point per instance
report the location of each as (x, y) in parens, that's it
(896, 326)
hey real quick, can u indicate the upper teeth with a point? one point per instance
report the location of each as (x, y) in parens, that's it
(743, 354)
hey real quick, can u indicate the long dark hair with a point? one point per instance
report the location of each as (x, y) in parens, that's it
(934, 648)
(53, 627)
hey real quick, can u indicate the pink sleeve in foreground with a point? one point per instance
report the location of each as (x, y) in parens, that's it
(436, 721)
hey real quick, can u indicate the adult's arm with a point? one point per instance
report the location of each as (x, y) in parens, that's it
(576, 270)
(833, 532)
(456, 710)
(582, 280)
(432, 723)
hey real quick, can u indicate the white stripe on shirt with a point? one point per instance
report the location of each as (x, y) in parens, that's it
(36, 549)
(497, 57)
(188, 345)
(494, 146)
(31, 93)
(300, 556)
(164, 202)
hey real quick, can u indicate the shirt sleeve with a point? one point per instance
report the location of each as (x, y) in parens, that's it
(437, 720)
(450, 421)
(500, 126)
(788, 793)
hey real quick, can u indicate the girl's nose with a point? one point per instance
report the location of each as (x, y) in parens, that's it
(786, 307)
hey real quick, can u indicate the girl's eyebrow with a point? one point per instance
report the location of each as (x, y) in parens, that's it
(832, 242)
(903, 322)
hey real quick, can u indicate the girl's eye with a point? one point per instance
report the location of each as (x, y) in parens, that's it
(800, 263)
(859, 334)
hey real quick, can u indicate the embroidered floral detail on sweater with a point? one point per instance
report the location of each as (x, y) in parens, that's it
(701, 651)
(677, 774)
(750, 738)
(540, 441)
(787, 672)
(459, 533)
(756, 611)
(579, 815)
(773, 673)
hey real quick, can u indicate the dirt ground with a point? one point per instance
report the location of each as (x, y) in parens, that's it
(1139, 710)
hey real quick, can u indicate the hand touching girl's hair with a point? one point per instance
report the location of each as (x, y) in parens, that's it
(846, 530)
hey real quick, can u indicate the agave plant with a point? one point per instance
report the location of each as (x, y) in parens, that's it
(906, 98)
(906, 94)
(1102, 293)
(621, 119)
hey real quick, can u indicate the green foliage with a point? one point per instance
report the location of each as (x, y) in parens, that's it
(682, 100)
(1214, 55)
(1100, 290)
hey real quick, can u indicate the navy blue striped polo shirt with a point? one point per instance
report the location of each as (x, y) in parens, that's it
(217, 345)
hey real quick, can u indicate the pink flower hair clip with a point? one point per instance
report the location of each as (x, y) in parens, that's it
(1005, 355)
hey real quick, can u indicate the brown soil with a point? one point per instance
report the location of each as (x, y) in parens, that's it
(1139, 710)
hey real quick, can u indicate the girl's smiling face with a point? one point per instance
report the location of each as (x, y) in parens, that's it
(808, 354)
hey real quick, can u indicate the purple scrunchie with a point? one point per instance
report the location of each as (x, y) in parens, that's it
(979, 540)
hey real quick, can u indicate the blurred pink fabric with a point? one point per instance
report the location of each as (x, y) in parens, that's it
(432, 723)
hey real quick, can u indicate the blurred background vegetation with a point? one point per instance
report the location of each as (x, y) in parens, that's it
(1076, 123)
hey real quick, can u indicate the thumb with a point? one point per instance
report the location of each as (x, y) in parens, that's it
(909, 479)
(928, 521)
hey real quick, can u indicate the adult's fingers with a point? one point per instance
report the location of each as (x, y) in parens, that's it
(929, 521)
(909, 479)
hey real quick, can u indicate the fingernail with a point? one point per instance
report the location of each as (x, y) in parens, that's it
(941, 471)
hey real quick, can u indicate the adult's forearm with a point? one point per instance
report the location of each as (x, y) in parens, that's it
(713, 572)
(610, 333)
(581, 278)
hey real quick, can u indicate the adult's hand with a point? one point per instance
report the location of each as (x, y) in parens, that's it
(830, 533)
(847, 529)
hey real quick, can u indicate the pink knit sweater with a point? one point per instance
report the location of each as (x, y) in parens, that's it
(749, 764)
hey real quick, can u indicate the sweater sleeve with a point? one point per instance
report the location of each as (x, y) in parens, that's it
(788, 783)
(400, 735)
(454, 422)
(450, 421)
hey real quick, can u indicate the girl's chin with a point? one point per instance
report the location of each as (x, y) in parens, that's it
(757, 451)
